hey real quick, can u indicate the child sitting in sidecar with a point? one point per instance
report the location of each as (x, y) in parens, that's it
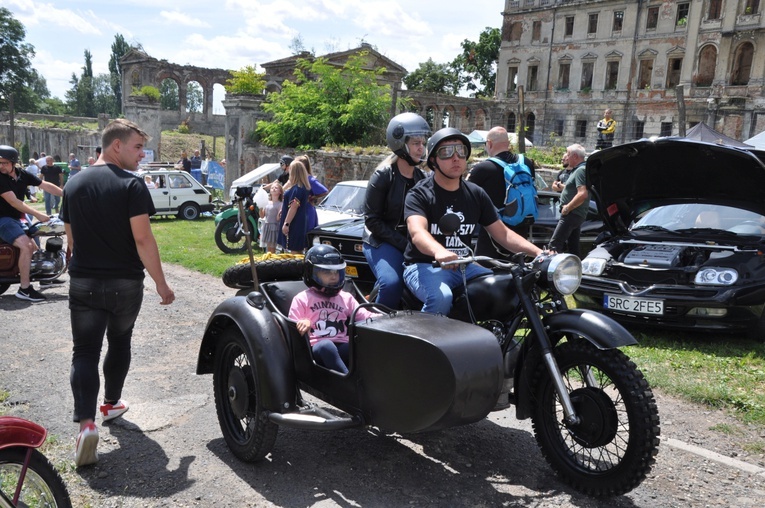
(323, 311)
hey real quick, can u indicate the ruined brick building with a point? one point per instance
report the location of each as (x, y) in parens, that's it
(575, 58)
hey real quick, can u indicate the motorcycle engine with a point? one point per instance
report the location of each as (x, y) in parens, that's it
(51, 260)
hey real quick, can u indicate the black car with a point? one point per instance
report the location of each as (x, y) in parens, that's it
(686, 235)
(345, 235)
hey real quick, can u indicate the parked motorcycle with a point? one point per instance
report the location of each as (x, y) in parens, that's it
(27, 478)
(509, 340)
(48, 263)
(229, 230)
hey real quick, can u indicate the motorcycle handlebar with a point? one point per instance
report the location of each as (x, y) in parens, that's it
(470, 259)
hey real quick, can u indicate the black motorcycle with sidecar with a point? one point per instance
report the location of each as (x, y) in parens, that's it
(509, 339)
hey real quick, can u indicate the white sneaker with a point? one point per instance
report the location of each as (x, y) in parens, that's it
(85, 447)
(112, 411)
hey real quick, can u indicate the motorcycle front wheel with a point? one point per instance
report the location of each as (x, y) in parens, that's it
(42, 486)
(614, 445)
(228, 236)
(238, 399)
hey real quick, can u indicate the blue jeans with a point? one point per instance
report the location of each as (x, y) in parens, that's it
(99, 306)
(332, 355)
(387, 263)
(433, 286)
(51, 202)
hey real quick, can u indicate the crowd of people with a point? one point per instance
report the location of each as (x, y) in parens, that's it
(106, 213)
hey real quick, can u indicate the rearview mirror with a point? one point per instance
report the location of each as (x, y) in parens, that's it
(449, 223)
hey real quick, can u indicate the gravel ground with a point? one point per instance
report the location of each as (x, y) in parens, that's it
(168, 449)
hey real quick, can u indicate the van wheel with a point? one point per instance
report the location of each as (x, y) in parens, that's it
(189, 211)
(269, 270)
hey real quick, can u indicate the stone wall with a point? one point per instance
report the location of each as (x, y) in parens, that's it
(52, 141)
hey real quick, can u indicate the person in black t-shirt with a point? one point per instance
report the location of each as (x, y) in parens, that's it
(14, 183)
(427, 202)
(106, 213)
(491, 177)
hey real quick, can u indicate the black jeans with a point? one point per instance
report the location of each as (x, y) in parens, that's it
(567, 232)
(99, 306)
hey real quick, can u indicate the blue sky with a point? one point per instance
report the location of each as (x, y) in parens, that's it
(230, 34)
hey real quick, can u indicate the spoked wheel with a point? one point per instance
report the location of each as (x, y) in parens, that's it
(42, 485)
(611, 450)
(246, 428)
(229, 236)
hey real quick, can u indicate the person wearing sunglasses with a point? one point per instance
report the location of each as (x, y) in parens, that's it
(385, 235)
(447, 192)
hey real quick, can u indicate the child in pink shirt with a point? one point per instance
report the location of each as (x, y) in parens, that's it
(323, 311)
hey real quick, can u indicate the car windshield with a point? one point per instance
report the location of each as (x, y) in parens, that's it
(696, 218)
(345, 198)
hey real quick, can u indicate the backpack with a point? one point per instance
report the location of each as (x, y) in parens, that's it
(521, 193)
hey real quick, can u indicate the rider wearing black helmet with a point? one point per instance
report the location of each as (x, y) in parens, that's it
(284, 163)
(447, 192)
(14, 182)
(323, 311)
(385, 232)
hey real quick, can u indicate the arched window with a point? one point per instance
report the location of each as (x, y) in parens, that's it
(511, 122)
(707, 65)
(742, 64)
(530, 119)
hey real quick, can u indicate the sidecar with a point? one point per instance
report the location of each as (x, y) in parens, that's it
(408, 372)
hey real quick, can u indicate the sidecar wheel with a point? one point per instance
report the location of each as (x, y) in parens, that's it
(269, 270)
(228, 238)
(614, 446)
(238, 399)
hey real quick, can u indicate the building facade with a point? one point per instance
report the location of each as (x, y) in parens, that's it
(575, 58)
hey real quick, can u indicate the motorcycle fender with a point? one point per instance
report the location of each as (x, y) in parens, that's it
(602, 331)
(16, 431)
(225, 214)
(266, 345)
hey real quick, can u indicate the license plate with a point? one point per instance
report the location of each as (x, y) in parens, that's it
(632, 305)
(351, 271)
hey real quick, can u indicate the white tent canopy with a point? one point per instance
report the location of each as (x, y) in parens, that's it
(479, 138)
(757, 141)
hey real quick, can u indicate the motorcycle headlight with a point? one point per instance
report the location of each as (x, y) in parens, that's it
(715, 276)
(593, 266)
(563, 272)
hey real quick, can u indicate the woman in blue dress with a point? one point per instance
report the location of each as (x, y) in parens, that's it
(293, 223)
(317, 191)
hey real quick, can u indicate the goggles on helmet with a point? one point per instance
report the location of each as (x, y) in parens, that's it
(446, 152)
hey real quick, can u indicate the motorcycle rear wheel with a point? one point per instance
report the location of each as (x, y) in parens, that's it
(43, 485)
(227, 237)
(238, 399)
(614, 447)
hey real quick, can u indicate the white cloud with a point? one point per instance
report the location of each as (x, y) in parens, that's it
(183, 19)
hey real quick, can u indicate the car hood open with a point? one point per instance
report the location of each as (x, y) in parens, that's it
(629, 179)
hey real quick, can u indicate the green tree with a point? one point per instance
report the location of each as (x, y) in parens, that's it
(246, 81)
(15, 58)
(119, 49)
(31, 98)
(477, 63)
(434, 78)
(169, 96)
(326, 105)
(195, 99)
(80, 98)
(104, 99)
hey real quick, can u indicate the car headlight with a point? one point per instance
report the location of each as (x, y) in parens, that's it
(715, 276)
(564, 273)
(593, 266)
